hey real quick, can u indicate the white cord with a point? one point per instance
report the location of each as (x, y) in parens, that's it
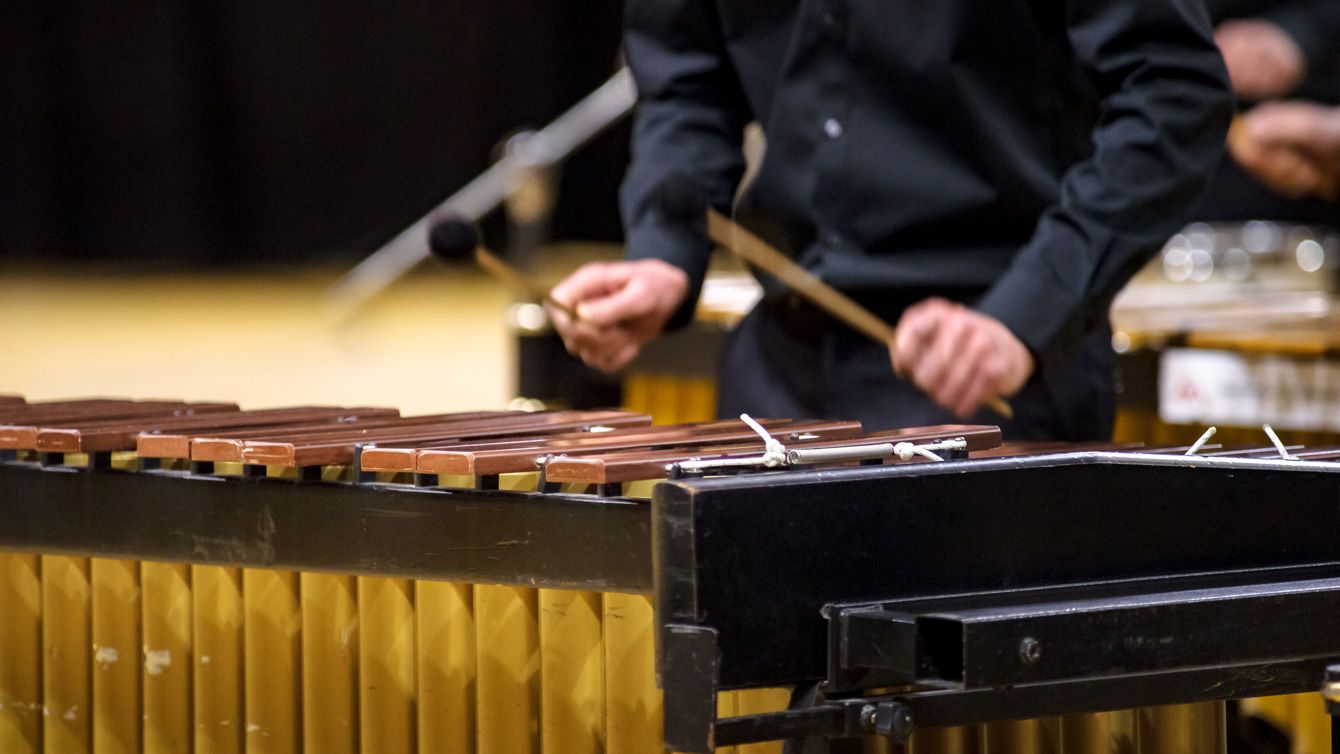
(1284, 452)
(1198, 444)
(906, 451)
(774, 452)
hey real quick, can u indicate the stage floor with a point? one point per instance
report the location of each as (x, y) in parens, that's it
(433, 342)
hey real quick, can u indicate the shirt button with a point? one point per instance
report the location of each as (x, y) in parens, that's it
(833, 128)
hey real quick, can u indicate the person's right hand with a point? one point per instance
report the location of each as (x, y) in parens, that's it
(1292, 147)
(1263, 60)
(620, 307)
(958, 356)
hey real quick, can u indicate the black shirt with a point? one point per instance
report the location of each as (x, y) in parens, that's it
(1038, 151)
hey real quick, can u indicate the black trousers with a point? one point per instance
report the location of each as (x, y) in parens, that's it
(787, 359)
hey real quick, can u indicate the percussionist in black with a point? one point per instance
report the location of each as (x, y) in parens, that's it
(984, 173)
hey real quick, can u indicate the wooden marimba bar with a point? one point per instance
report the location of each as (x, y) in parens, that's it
(340, 579)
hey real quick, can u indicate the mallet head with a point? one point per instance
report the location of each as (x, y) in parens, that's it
(453, 239)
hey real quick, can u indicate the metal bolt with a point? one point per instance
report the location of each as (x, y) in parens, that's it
(893, 719)
(1030, 651)
(869, 716)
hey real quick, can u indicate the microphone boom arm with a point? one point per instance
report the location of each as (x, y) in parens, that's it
(584, 121)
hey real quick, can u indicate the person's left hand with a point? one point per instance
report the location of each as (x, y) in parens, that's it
(958, 356)
(1263, 60)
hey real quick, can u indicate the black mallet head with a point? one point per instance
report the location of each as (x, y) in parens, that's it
(453, 240)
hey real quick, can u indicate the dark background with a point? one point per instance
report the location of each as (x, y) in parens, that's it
(208, 133)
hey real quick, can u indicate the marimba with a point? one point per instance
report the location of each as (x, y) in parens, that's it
(922, 578)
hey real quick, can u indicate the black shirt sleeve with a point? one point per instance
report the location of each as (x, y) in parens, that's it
(1166, 107)
(690, 119)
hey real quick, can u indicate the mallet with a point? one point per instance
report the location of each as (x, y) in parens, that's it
(454, 239)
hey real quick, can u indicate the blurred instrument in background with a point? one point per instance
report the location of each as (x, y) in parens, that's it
(1234, 325)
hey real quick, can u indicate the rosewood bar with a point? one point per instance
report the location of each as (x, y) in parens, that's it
(21, 433)
(402, 456)
(310, 452)
(121, 434)
(483, 460)
(88, 409)
(405, 457)
(227, 446)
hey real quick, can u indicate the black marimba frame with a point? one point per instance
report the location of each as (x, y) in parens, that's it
(962, 592)
(980, 590)
(560, 541)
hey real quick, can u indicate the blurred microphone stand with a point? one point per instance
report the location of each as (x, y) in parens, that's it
(531, 198)
(525, 175)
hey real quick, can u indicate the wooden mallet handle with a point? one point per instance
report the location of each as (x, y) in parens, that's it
(519, 281)
(455, 239)
(756, 251)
